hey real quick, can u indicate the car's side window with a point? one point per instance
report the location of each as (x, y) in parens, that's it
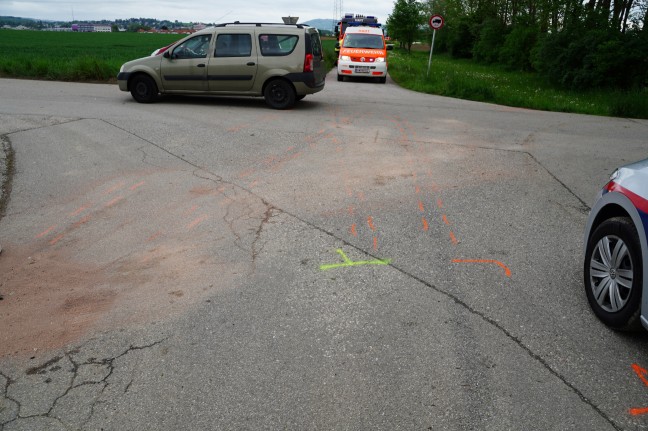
(277, 44)
(233, 45)
(196, 47)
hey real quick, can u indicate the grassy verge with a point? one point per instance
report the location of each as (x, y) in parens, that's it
(467, 80)
(328, 45)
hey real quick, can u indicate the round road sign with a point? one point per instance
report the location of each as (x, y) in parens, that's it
(436, 22)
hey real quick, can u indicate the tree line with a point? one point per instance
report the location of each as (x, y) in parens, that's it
(573, 43)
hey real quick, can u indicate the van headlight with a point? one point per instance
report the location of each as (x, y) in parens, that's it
(345, 58)
(379, 60)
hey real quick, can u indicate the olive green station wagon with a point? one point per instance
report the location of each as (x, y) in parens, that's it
(280, 62)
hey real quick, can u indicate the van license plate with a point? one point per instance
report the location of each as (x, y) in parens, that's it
(362, 69)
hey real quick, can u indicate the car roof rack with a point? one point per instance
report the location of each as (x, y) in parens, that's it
(260, 24)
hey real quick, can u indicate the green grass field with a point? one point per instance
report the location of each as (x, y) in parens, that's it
(73, 56)
(66, 56)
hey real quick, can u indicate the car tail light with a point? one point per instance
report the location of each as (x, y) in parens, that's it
(308, 63)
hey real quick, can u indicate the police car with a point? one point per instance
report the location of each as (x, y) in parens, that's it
(616, 249)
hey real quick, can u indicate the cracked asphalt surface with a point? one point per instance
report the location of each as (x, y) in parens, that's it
(168, 266)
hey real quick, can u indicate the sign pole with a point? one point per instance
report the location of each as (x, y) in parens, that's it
(431, 49)
(436, 23)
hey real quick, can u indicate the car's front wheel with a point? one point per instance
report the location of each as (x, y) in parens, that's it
(613, 273)
(143, 89)
(279, 94)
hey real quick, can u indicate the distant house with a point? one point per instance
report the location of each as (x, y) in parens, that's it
(91, 28)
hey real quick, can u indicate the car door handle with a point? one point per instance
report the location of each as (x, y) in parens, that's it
(251, 63)
(201, 65)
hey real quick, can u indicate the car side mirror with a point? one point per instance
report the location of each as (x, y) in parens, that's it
(166, 54)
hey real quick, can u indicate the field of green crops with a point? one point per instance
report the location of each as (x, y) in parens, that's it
(67, 56)
(73, 56)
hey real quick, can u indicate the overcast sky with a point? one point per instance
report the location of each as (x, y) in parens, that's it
(190, 10)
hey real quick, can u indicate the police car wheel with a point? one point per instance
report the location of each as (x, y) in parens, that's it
(613, 274)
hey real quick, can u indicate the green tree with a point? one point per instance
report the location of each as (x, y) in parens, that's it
(404, 23)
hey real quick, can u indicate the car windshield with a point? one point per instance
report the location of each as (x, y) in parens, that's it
(372, 41)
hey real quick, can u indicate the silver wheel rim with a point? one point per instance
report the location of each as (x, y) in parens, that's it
(611, 273)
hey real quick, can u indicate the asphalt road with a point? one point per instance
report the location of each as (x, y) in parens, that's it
(372, 259)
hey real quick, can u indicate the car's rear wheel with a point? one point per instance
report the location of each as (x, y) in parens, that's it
(143, 89)
(340, 78)
(279, 94)
(613, 273)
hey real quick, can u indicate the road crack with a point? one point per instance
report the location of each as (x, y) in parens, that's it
(74, 387)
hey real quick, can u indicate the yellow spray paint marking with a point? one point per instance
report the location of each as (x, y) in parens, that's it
(349, 262)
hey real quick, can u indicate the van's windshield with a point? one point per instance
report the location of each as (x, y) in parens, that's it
(371, 41)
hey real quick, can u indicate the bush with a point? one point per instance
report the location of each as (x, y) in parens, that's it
(516, 52)
(461, 39)
(592, 55)
(490, 41)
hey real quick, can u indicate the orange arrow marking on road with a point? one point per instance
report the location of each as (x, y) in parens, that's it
(496, 262)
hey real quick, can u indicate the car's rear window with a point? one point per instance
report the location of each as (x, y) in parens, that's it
(316, 45)
(277, 44)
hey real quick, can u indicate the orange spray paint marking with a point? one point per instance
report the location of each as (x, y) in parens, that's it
(57, 239)
(197, 221)
(114, 188)
(353, 230)
(496, 262)
(79, 210)
(421, 207)
(83, 221)
(375, 243)
(351, 210)
(137, 186)
(246, 173)
(361, 196)
(641, 372)
(371, 224)
(45, 232)
(453, 238)
(445, 219)
(191, 210)
(426, 226)
(638, 411)
(114, 201)
(154, 236)
(417, 189)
